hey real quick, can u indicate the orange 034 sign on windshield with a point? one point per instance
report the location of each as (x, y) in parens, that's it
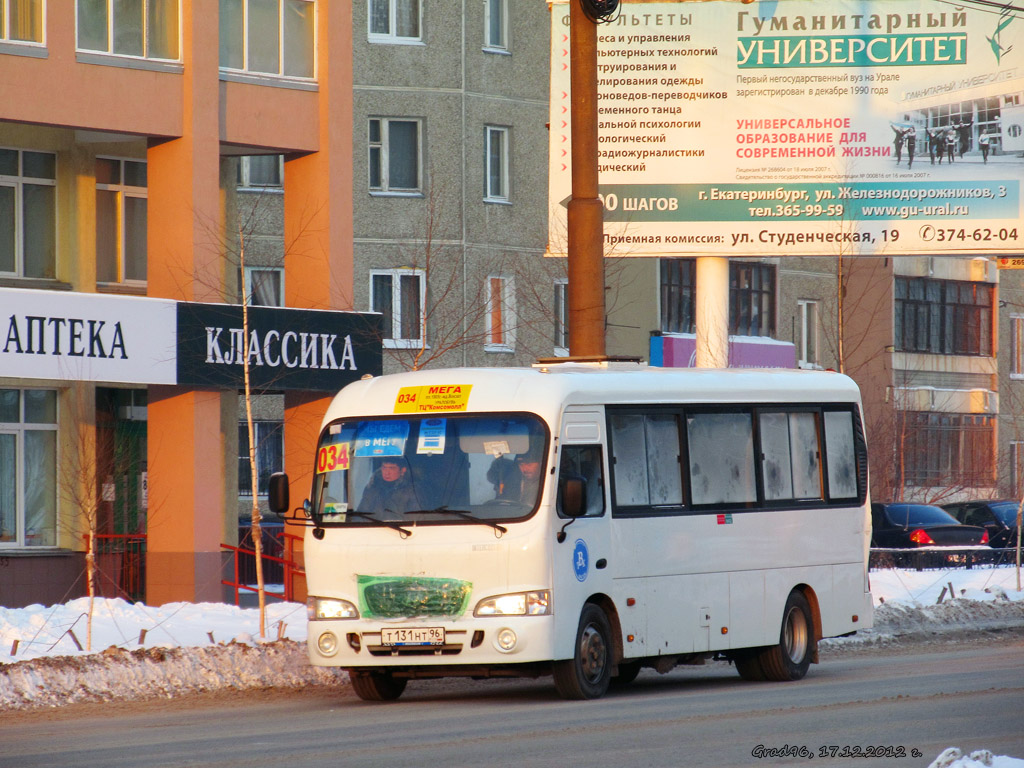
(332, 457)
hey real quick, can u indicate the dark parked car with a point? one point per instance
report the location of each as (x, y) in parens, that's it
(998, 517)
(900, 525)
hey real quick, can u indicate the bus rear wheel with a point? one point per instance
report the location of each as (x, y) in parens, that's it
(377, 686)
(588, 673)
(790, 659)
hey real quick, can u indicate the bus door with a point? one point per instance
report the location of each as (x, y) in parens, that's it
(582, 549)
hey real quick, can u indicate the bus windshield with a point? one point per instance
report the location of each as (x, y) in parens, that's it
(429, 469)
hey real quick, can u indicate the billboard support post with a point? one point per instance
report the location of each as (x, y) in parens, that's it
(712, 312)
(585, 220)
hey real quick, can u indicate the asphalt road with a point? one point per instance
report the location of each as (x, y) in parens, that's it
(913, 703)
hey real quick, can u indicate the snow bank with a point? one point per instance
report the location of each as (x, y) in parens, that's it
(141, 651)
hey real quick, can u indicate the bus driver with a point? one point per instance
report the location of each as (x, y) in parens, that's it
(389, 492)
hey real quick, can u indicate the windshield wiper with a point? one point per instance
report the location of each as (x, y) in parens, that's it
(406, 533)
(443, 510)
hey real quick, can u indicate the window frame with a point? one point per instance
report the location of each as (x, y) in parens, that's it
(944, 449)
(500, 192)
(931, 317)
(122, 192)
(808, 352)
(251, 281)
(393, 338)
(39, 11)
(391, 37)
(18, 183)
(246, 69)
(500, 332)
(268, 433)
(245, 174)
(19, 430)
(1016, 346)
(145, 34)
(748, 280)
(752, 285)
(500, 45)
(382, 146)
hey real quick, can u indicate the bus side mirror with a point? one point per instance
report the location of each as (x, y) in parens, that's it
(277, 493)
(573, 493)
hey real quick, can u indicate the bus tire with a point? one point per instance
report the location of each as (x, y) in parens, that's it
(628, 670)
(790, 659)
(748, 664)
(588, 673)
(377, 686)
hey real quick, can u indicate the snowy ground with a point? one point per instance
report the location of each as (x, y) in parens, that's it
(140, 651)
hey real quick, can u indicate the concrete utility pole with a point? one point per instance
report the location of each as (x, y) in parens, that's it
(585, 210)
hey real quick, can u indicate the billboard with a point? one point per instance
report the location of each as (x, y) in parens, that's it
(799, 127)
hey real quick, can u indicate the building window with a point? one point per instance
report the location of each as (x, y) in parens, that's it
(496, 160)
(943, 317)
(146, 30)
(394, 147)
(28, 468)
(561, 305)
(807, 341)
(400, 295)
(948, 449)
(394, 21)
(21, 21)
(28, 213)
(269, 455)
(265, 286)
(501, 315)
(678, 278)
(261, 171)
(268, 37)
(1017, 346)
(496, 25)
(1017, 468)
(120, 220)
(751, 297)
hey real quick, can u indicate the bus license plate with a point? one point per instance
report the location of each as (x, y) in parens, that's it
(412, 636)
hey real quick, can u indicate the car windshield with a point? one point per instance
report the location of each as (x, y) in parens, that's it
(918, 514)
(1006, 511)
(484, 467)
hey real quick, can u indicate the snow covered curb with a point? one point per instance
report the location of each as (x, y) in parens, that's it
(159, 672)
(907, 622)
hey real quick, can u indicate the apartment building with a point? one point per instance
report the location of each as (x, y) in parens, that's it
(120, 129)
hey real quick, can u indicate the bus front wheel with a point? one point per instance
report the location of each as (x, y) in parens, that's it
(588, 673)
(376, 686)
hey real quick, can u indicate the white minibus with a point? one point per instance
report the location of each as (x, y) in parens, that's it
(584, 521)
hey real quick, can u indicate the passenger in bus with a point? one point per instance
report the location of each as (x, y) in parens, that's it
(518, 479)
(389, 493)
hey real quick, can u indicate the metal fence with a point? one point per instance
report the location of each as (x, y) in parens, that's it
(121, 565)
(925, 558)
(280, 565)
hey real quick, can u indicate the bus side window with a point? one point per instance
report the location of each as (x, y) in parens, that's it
(790, 455)
(584, 462)
(721, 446)
(841, 455)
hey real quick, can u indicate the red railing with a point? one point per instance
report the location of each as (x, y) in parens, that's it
(120, 564)
(280, 570)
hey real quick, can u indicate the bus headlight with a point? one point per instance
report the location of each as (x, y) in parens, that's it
(516, 604)
(330, 608)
